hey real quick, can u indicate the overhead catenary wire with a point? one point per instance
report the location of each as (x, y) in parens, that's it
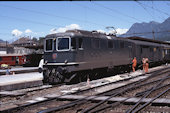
(50, 14)
(144, 8)
(31, 21)
(158, 10)
(150, 15)
(99, 12)
(116, 11)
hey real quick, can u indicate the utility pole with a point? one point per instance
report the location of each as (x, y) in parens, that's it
(153, 35)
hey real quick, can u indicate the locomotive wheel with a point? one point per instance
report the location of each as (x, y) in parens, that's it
(45, 76)
(56, 78)
(73, 79)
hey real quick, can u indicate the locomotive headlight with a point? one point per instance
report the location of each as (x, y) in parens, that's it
(65, 61)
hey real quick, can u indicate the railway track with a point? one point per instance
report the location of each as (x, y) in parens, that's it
(50, 101)
(92, 107)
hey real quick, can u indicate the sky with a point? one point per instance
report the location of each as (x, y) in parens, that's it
(39, 18)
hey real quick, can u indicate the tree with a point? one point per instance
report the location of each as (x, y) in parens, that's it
(41, 40)
(34, 39)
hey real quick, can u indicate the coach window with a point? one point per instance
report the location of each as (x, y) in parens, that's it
(154, 49)
(80, 43)
(121, 44)
(110, 44)
(73, 43)
(0, 58)
(49, 45)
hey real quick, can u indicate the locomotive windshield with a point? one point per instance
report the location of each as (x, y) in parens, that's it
(63, 44)
(49, 44)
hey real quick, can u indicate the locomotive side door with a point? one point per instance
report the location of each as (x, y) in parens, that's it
(80, 49)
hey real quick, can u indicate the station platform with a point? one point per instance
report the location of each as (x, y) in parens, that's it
(19, 70)
(26, 80)
(19, 81)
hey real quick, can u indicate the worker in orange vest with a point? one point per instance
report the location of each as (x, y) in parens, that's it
(134, 64)
(146, 65)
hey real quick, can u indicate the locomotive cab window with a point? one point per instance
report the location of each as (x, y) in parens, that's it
(63, 44)
(49, 45)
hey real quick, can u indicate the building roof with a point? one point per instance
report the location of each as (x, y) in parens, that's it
(147, 40)
(23, 40)
(4, 45)
(12, 54)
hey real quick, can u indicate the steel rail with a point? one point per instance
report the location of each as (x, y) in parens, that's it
(118, 103)
(143, 92)
(80, 101)
(147, 83)
(146, 104)
(146, 94)
(119, 92)
(77, 101)
(108, 106)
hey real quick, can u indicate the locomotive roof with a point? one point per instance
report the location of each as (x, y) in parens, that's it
(81, 33)
(95, 34)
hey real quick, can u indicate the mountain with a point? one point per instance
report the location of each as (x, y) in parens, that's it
(146, 30)
(1, 41)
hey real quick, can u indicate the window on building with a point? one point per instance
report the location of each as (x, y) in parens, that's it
(13, 58)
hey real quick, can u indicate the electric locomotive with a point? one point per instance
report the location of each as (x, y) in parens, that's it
(78, 54)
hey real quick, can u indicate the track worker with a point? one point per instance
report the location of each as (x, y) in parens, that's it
(146, 65)
(134, 64)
